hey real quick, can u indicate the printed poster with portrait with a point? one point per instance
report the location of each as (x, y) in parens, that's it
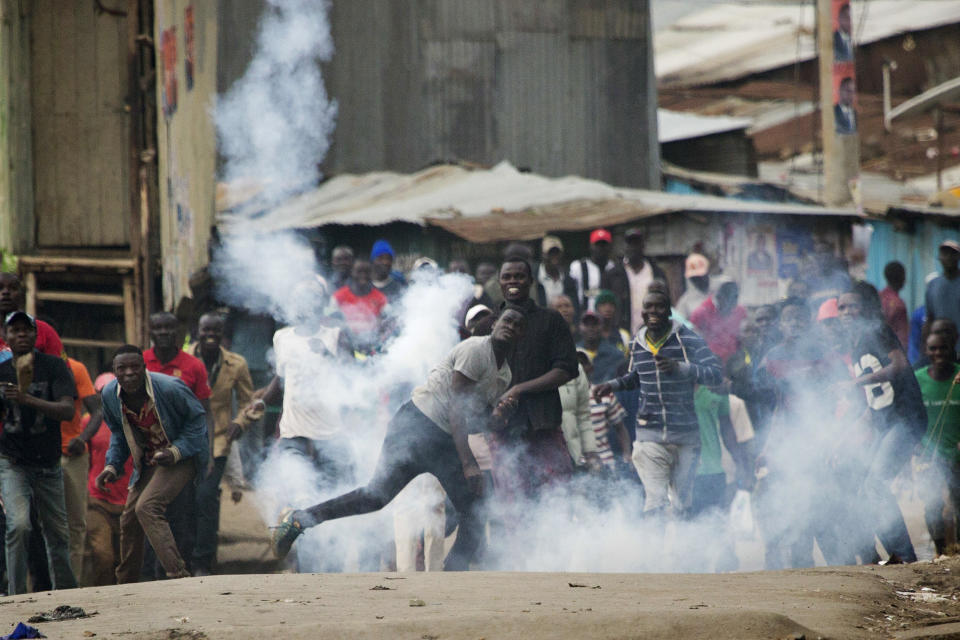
(844, 72)
(793, 245)
(759, 283)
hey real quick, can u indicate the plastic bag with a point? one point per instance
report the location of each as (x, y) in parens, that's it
(741, 515)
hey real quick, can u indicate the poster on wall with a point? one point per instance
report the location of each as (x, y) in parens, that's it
(759, 275)
(792, 246)
(168, 53)
(189, 48)
(844, 73)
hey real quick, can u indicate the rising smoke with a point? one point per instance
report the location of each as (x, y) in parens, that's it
(274, 127)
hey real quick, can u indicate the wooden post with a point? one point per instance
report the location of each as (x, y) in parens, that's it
(841, 151)
(30, 283)
(129, 311)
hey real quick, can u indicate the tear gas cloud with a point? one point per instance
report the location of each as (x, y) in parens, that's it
(275, 122)
(274, 126)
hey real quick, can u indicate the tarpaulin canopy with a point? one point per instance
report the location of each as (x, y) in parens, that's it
(487, 205)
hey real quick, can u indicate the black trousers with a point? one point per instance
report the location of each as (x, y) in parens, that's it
(414, 445)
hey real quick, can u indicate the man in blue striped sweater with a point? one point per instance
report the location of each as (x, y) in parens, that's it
(667, 361)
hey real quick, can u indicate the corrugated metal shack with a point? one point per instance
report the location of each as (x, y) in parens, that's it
(452, 211)
(706, 143)
(76, 176)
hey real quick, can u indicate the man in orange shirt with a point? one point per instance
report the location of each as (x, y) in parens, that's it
(75, 461)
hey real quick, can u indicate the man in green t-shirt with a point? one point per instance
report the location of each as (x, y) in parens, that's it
(939, 454)
(710, 484)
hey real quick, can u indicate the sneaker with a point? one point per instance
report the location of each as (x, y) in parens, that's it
(285, 533)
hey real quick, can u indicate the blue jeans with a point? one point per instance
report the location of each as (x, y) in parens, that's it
(19, 484)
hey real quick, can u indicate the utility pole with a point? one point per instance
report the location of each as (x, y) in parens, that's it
(838, 113)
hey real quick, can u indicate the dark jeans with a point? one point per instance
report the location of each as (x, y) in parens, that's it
(891, 452)
(413, 445)
(208, 516)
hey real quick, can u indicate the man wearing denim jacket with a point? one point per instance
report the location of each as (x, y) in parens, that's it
(158, 421)
(667, 361)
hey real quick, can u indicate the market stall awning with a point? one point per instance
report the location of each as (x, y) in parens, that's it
(487, 205)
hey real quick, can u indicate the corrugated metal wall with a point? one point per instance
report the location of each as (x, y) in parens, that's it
(558, 86)
(916, 249)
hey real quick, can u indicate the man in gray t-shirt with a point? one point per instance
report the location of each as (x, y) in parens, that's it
(429, 435)
(474, 358)
(943, 293)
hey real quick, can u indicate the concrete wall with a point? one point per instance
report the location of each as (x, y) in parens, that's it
(186, 140)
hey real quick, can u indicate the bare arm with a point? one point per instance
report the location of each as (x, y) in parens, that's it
(898, 364)
(553, 379)
(272, 393)
(77, 445)
(737, 451)
(463, 399)
(624, 437)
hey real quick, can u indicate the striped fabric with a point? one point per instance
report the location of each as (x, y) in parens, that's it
(603, 415)
(666, 413)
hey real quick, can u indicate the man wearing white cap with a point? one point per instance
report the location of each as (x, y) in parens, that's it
(552, 275)
(943, 293)
(697, 273)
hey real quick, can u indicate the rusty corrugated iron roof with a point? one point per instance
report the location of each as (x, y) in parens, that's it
(486, 205)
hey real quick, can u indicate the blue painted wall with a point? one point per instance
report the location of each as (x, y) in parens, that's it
(917, 251)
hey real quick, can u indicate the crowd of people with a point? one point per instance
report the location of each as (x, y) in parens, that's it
(581, 376)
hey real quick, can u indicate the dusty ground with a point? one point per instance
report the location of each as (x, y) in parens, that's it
(857, 602)
(915, 601)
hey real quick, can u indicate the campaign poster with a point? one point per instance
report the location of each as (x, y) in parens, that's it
(844, 73)
(760, 284)
(792, 246)
(842, 31)
(168, 54)
(189, 49)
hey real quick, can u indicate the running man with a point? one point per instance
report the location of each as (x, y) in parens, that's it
(428, 434)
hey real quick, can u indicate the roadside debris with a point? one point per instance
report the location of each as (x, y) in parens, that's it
(63, 612)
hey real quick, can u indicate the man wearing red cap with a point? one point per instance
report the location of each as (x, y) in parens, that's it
(943, 292)
(587, 272)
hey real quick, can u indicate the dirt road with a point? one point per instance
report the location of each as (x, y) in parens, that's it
(847, 602)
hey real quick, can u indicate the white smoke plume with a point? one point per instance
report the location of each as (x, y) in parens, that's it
(274, 127)
(274, 124)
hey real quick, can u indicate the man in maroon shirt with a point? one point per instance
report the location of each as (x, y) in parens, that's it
(894, 309)
(167, 357)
